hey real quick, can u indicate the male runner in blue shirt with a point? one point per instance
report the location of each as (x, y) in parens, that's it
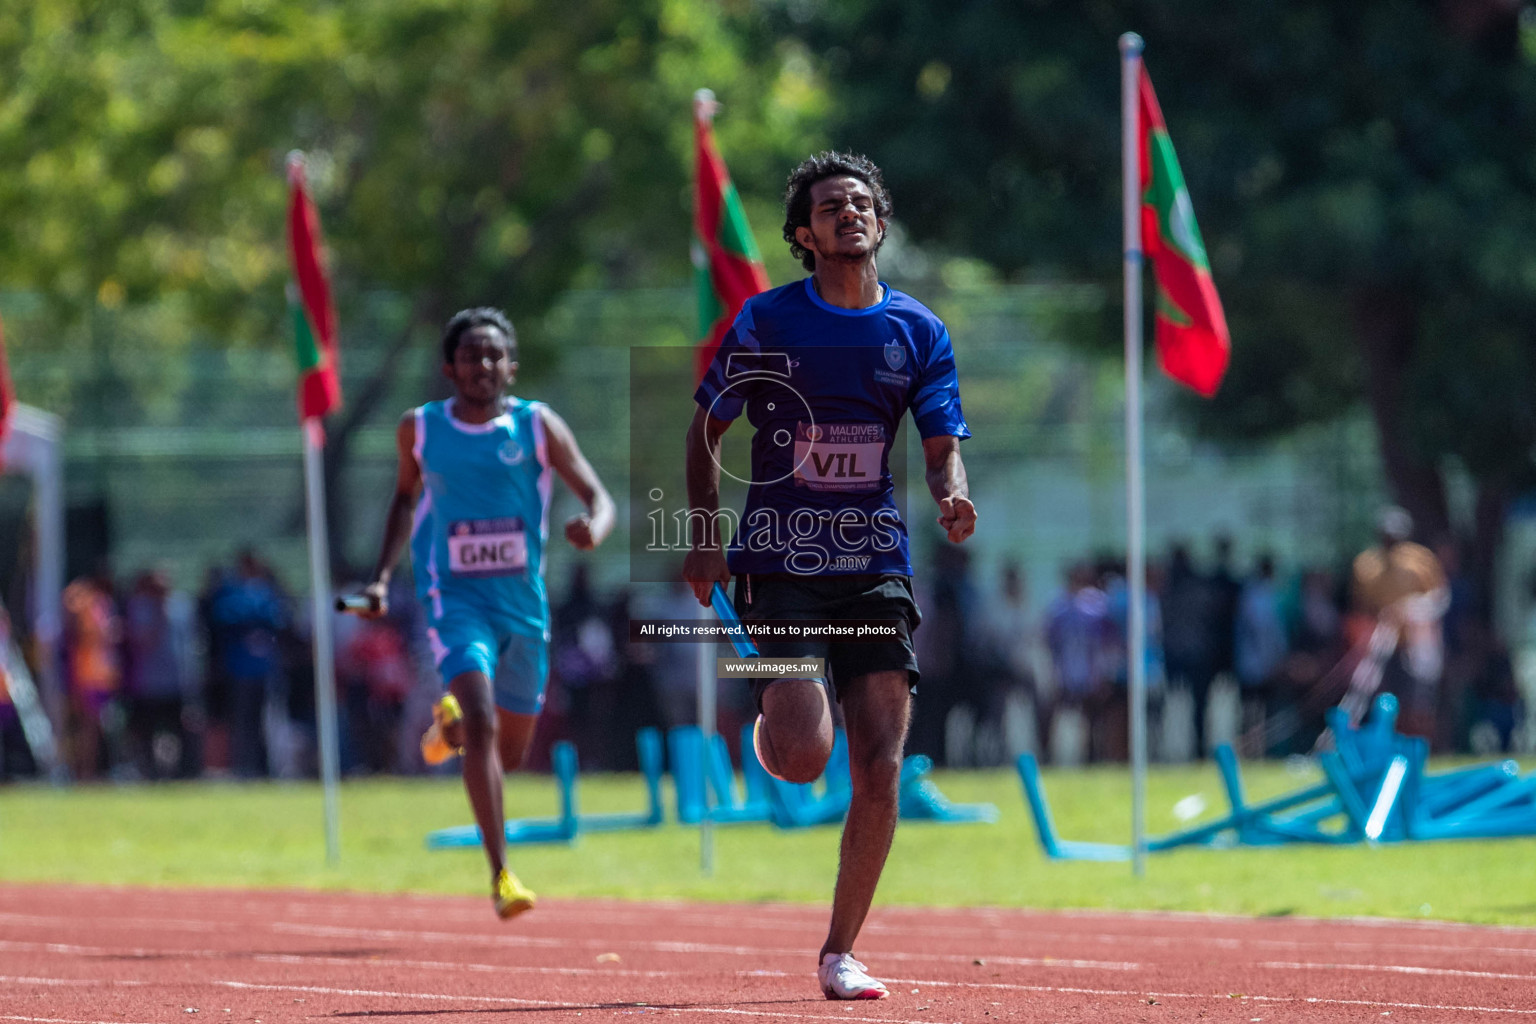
(480, 463)
(826, 368)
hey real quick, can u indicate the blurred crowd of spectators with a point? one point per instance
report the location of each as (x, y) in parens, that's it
(165, 684)
(1001, 677)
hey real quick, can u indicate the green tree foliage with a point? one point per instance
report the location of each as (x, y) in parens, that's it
(461, 150)
(1362, 173)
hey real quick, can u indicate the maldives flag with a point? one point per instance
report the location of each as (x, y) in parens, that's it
(7, 399)
(314, 317)
(727, 268)
(1192, 340)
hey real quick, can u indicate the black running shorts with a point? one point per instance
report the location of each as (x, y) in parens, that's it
(778, 596)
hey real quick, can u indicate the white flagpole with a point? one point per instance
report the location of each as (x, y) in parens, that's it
(1135, 489)
(325, 664)
(704, 107)
(707, 727)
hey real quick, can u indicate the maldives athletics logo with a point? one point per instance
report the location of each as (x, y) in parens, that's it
(895, 355)
(510, 453)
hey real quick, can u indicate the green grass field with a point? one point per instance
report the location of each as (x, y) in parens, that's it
(270, 835)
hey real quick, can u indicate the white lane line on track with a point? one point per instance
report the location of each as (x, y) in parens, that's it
(1445, 972)
(1201, 917)
(1022, 920)
(665, 946)
(1305, 1000)
(1015, 961)
(23, 980)
(59, 1020)
(385, 994)
(934, 983)
(97, 921)
(1248, 997)
(439, 966)
(706, 948)
(1002, 933)
(222, 901)
(443, 965)
(1159, 941)
(297, 958)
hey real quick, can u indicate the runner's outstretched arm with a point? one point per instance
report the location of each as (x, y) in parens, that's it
(397, 521)
(586, 531)
(945, 474)
(705, 564)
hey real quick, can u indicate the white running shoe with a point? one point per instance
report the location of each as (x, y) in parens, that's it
(843, 977)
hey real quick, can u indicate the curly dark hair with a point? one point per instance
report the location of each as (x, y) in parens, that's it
(480, 316)
(797, 194)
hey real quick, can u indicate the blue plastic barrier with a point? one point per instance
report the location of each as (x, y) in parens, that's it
(570, 823)
(648, 747)
(922, 801)
(789, 804)
(690, 774)
(1375, 789)
(527, 830)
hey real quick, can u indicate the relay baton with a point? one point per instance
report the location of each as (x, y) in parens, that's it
(726, 611)
(354, 603)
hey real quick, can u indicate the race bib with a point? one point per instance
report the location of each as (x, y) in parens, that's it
(839, 456)
(487, 547)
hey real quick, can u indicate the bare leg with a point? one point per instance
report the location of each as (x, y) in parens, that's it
(877, 709)
(797, 729)
(482, 763)
(515, 733)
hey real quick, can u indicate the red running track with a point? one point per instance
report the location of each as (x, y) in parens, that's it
(149, 956)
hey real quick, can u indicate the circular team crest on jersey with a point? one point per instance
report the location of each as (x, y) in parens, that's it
(895, 355)
(813, 433)
(510, 453)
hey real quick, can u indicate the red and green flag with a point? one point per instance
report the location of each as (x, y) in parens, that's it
(728, 269)
(7, 399)
(1193, 344)
(314, 316)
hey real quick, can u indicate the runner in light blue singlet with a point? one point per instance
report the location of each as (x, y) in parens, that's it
(472, 488)
(477, 542)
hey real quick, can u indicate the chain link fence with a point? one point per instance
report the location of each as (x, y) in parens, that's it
(180, 451)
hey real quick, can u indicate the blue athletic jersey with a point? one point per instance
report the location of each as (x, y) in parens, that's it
(482, 520)
(826, 388)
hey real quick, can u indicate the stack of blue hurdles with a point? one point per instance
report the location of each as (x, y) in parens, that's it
(759, 798)
(1375, 789)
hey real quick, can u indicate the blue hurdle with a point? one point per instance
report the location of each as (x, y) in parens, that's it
(570, 823)
(648, 747)
(690, 775)
(1375, 790)
(561, 829)
(789, 804)
(922, 801)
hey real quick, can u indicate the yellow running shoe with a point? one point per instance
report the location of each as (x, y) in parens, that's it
(512, 897)
(435, 749)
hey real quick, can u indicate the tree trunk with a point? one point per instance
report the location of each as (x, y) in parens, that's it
(1385, 321)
